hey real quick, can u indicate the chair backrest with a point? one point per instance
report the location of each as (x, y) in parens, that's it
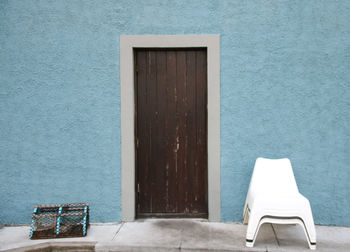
(273, 176)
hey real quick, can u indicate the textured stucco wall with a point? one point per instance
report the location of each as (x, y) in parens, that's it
(284, 93)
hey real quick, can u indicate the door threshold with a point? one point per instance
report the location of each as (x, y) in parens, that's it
(148, 219)
(172, 215)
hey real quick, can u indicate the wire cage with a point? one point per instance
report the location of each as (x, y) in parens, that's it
(57, 221)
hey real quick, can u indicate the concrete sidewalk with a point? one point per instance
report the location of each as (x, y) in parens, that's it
(178, 235)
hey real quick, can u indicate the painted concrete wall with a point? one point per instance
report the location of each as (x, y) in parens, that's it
(284, 93)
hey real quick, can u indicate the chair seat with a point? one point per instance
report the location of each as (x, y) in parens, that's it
(279, 205)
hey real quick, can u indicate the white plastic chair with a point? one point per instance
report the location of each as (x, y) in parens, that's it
(273, 197)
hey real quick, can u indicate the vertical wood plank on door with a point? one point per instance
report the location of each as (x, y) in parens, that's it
(142, 143)
(191, 128)
(201, 200)
(151, 84)
(159, 136)
(172, 133)
(182, 133)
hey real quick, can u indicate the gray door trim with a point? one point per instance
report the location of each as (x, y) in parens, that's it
(127, 43)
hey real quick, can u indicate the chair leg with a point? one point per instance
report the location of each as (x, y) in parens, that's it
(310, 232)
(252, 230)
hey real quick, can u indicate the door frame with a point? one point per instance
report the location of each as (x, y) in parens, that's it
(127, 45)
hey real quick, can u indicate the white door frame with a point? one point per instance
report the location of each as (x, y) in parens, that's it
(127, 44)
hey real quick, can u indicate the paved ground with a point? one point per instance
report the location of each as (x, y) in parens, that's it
(178, 235)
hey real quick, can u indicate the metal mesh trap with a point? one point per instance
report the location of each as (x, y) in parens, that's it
(56, 221)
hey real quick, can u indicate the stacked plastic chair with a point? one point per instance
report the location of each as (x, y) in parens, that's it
(273, 197)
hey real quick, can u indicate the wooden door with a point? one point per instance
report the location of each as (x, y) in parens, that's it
(171, 132)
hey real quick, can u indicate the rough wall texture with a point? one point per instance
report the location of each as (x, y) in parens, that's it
(284, 93)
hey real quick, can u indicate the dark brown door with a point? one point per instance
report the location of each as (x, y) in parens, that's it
(171, 132)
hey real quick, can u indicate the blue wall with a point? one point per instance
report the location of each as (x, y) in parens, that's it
(284, 93)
